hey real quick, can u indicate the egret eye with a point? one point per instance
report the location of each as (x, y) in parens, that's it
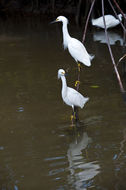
(63, 73)
(57, 19)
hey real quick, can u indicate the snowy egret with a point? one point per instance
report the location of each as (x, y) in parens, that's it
(75, 47)
(69, 95)
(110, 20)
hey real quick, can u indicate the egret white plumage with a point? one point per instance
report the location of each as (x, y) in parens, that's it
(69, 95)
(75, 47)
(110, 21)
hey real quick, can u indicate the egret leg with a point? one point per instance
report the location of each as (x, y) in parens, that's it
(76, 114)
(72, 120)
(77, 82)
(79, 67)
(73, 116)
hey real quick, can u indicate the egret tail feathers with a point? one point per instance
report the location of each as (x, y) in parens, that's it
(92, 21)
(91, 56)
(85, 100)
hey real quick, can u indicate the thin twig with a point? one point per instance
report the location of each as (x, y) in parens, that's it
(112, 58)
(122, 143)
(78, 12)
(77, 88)
(53, 6)
(85, 29)
(84, 34)
(124, 18)
(117, 15)
(121, 59)
(78, 80)
(119, 9)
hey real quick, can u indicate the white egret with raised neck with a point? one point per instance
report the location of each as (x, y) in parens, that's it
(69, 95)
(75, 47)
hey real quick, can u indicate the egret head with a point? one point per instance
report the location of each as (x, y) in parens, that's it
(61, 73)
(61, 19)
(120, 16)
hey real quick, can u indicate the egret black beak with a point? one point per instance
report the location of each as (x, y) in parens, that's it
(54, 21)
(66, 74)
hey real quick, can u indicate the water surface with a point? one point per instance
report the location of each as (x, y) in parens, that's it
(38, 147)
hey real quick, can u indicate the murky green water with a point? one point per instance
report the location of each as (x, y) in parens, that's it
(38, 149)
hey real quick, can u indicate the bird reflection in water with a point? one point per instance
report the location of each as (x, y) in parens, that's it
(114, 38)
(81, 170)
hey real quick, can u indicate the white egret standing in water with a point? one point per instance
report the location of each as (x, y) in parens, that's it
(75, 47)
(69, 95)
(110, 21)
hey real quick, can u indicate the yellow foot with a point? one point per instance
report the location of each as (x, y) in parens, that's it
(73, 116)
(77, 82)
(79, 67)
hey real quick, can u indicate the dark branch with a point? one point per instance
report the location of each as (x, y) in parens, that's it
(117, 15)
(85, 29)
(112, 58)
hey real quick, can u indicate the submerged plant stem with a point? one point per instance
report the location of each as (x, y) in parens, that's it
(85, 29)
(117, 16)
(119, 9)
(111, 54)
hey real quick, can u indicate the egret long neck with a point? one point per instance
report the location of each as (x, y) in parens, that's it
(64, 86)
(66, 35)
(120, 17)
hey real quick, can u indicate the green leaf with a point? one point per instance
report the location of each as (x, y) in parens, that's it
(94, 86)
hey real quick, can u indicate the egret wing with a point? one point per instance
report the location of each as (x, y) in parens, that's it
(110, 20)
(76, 98)
(79, 52)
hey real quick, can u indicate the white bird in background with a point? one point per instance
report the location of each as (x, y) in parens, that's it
(69, 95)
(75, 47)
(110, 21)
